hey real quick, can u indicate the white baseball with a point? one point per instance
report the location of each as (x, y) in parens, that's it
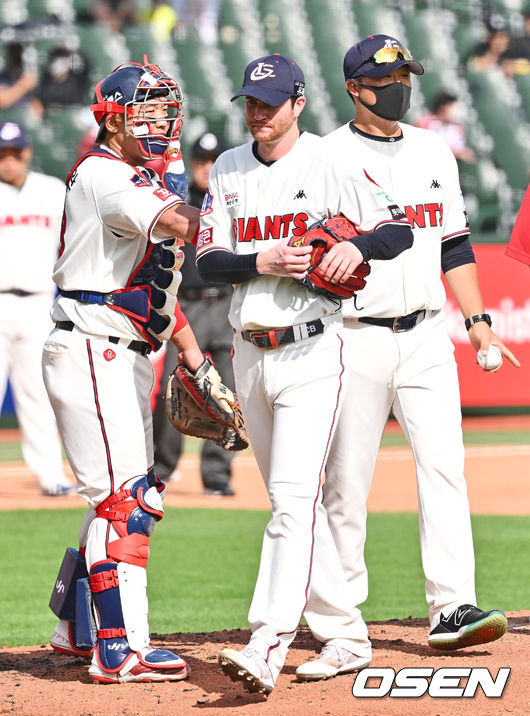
(491, 360)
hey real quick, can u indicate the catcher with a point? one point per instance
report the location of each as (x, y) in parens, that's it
(117, 282)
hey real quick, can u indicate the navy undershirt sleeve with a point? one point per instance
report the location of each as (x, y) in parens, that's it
(226, 267)
(457, 252)
(384, 243)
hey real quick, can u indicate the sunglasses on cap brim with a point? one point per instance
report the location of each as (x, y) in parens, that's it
(388, 55)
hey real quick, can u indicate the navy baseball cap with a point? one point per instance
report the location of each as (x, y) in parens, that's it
(378, 56)
(272, 79)
(208, 146)
(13, 135)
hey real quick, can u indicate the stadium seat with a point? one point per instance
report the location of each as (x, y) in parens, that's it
(374, 18)
(105, 50)
(13, 12)
(522, 82)
(334, 31)
(487, 195)
(497, 104)
(429, 39)
(50, 154)
(240, 38)
(288, 31)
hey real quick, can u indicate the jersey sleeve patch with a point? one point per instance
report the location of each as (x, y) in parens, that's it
(205, 237)
(162, 193)
(397, 212)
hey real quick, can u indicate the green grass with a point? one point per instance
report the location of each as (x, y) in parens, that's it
(204, 564)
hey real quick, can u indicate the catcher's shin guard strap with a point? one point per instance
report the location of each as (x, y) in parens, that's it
(133, 549)
(85, 624)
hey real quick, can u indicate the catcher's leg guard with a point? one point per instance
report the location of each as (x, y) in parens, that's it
(118, 584)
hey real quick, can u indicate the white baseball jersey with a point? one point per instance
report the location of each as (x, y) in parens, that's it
(101, 254)
(251, 204)
(432, 200)
(30, 226)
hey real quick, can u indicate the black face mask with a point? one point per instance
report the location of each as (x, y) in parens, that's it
(392, 101)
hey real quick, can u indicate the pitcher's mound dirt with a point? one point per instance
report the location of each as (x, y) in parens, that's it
(36, 681)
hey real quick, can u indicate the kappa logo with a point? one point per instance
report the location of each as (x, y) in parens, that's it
(435, 184)
(262, 71)
(298, 242)
(300, 195)
(109, 354)
(59, 586)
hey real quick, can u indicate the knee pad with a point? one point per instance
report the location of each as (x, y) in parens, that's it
(133, 512)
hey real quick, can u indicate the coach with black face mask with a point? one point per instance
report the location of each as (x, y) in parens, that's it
(402, 357)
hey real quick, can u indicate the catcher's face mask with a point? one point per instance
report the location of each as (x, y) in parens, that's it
(150, 100)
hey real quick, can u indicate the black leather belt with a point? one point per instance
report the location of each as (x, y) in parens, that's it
(136, 346)
(17, 292)
(399, 323)
(280, 336)
(208, 294)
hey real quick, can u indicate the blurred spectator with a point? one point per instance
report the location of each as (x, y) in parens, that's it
(444, 119)
(206, 307)
(17, 80)
(66, 79)
(31, 207)
(490, 53)
(161, 18)
(114, 13)
(203, 15)
(520, 46)
(518, 51)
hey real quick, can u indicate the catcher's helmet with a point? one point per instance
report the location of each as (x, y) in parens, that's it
(127, 90)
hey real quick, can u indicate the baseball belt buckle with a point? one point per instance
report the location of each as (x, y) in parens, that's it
(398, 327)
(405, 323)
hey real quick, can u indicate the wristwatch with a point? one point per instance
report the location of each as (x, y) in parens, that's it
(477, 319)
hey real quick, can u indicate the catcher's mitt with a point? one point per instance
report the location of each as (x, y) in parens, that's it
(199, 404)
(321, 237)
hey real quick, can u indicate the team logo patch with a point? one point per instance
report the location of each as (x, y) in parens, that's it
(262, 71)
(396, 212)
(138, 180)
(109, 354)
(232, 198)
(205, 237)
(162, 193)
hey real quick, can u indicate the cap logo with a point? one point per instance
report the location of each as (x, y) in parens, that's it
(261, 71)
(114, 97)
(10, 130)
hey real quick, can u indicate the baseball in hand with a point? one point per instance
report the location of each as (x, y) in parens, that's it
(491, 360)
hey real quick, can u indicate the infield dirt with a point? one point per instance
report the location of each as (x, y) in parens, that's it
(36, 681)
